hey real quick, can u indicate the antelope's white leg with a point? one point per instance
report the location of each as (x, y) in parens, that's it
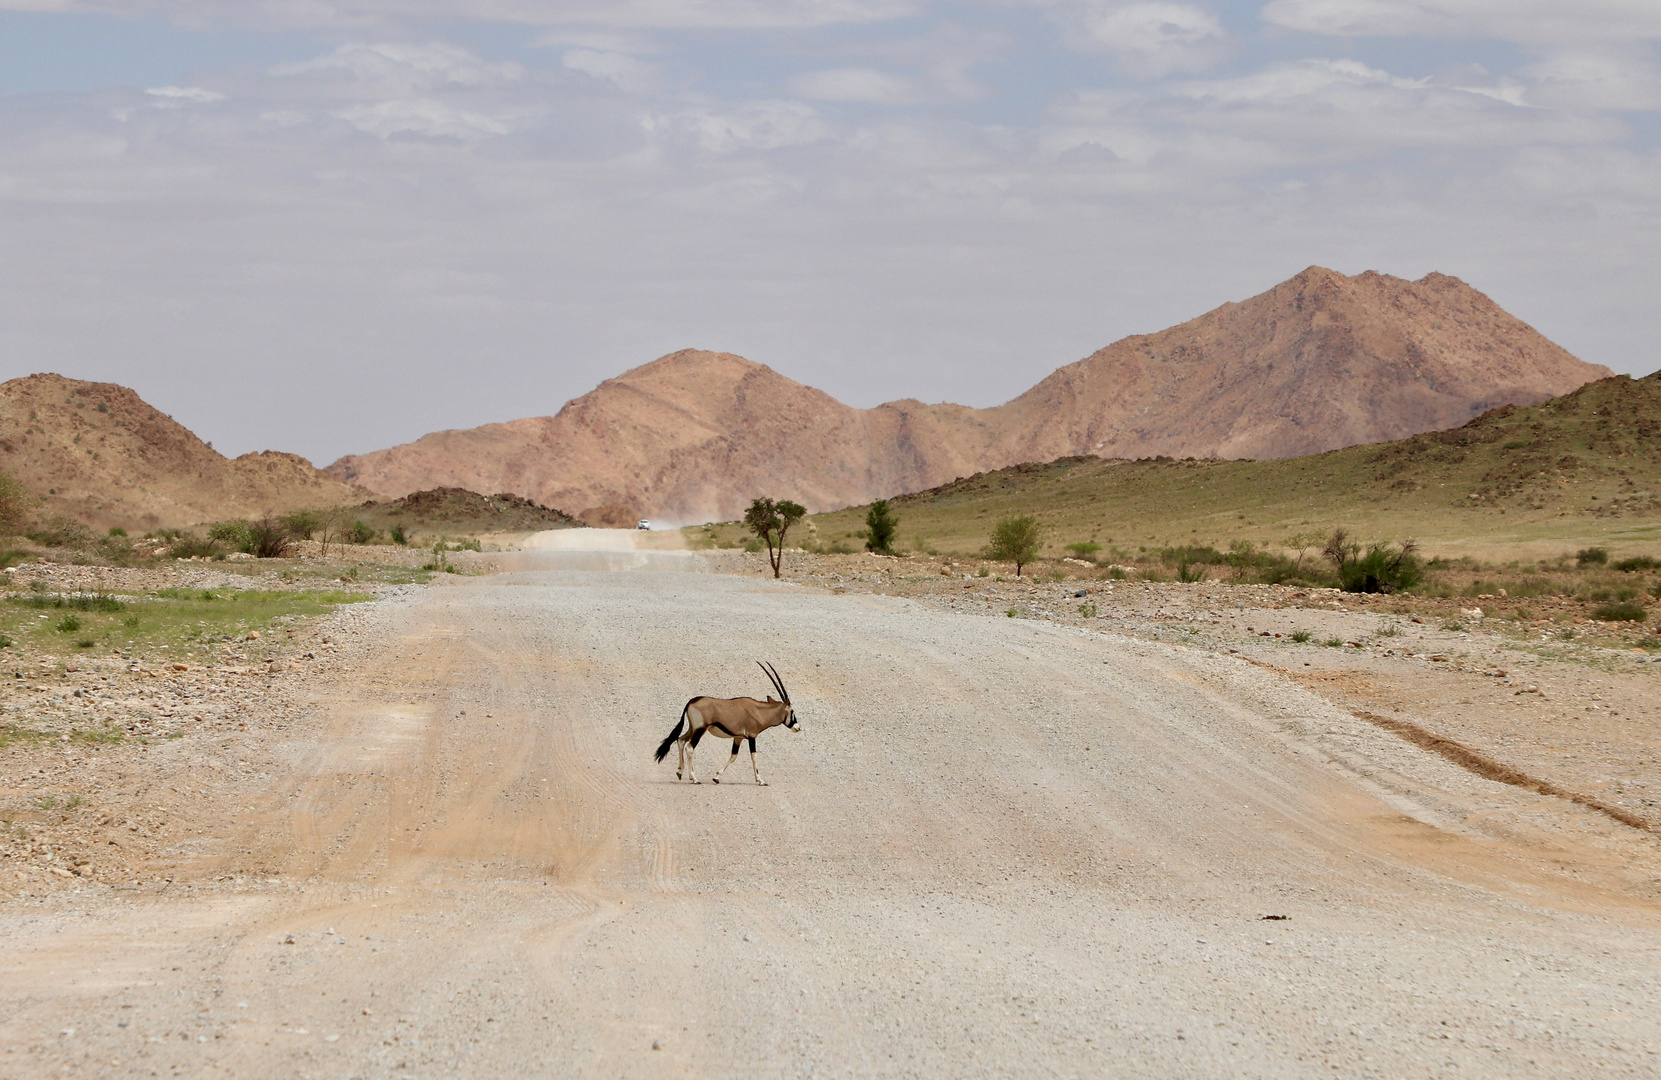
(680, 761)
(690, 773)
(756, 766)
(716, 779)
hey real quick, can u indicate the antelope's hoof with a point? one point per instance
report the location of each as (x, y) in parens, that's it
(715, 779)
(761, 783)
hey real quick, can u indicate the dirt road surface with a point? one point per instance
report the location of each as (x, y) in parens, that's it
(999, 848)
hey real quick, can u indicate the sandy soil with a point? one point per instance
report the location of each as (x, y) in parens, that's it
(1002, 846)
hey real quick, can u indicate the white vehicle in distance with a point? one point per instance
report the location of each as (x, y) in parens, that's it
(643, 523)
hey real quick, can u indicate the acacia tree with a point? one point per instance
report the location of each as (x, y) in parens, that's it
(1017, 540)
(770, 520)
(880, 527)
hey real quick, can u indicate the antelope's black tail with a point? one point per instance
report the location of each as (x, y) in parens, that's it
(663, 747)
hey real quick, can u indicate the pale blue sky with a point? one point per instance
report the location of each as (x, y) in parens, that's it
(331, 225)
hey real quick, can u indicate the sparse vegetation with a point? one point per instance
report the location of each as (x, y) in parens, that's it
(1084, 549)
(14, 506)
(1623, 611)
(268, 538)
(1017, 539)
(1592, 556)
(880, 527)
(771, 521)
(1379, 569)
(1301, 636)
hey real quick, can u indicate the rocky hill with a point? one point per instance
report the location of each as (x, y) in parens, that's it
(97, 453)
(1319, 362)
(457, 511)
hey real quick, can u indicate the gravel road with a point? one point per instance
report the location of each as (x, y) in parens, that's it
(999, 848)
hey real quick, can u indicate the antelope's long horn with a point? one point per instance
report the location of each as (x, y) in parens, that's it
(774, 679)
(773, 673)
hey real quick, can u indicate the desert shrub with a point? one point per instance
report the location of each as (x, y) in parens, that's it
(232, 534)
(1017, 539)
(268, 538)
(400, 537)
(13, 556)
(98, 602)
(360, 533)
(85, 643)
(1381, 568)
(189, 546)
(1592, 556)
(1188, 573)
(303, 524)
(1301, 636)
(1084, 549)
(1116, 573)
(116, 530)
(62, 532)
(1622, 611)
(14, 505)
(1192, 553)
(1333, 643)
(1638, 562)
(69, 624)
(880, 527)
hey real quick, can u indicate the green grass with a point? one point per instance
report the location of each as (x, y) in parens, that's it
(1540, 481)
(177, 618)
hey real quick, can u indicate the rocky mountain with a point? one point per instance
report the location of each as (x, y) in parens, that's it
(1319, 362)
(97, 453)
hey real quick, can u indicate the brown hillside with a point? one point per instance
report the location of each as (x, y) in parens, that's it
(99, 454)
(1319, 362)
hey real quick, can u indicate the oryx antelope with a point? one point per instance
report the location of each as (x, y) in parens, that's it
(735, 718)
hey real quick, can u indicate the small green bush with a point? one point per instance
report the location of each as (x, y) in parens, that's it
(1638, 562)
(188, 546)
(85, 643)
(268, 538)
(233, 534)
(1592, 556)
(1625, 611)
(68, 624)
(99, 602)
(1301, 636)
(1084, 549)
(1189, 573)
(360, 533)
(880, 528)
(5, 642)
(1333, 643)
(399, 537)
(1380, 569)
(303, 523)
(116, 530)
(1017, 539)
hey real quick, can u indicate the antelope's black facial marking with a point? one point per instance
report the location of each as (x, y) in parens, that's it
(752, 745)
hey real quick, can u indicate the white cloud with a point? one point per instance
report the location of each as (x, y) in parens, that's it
(421, 116)
(1149, 38)
(1603, 79)
(361, 14)
(760, 125)
(395, 65)
(622, 71)
(1535, 21)
(855, 85)
(174, 96)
